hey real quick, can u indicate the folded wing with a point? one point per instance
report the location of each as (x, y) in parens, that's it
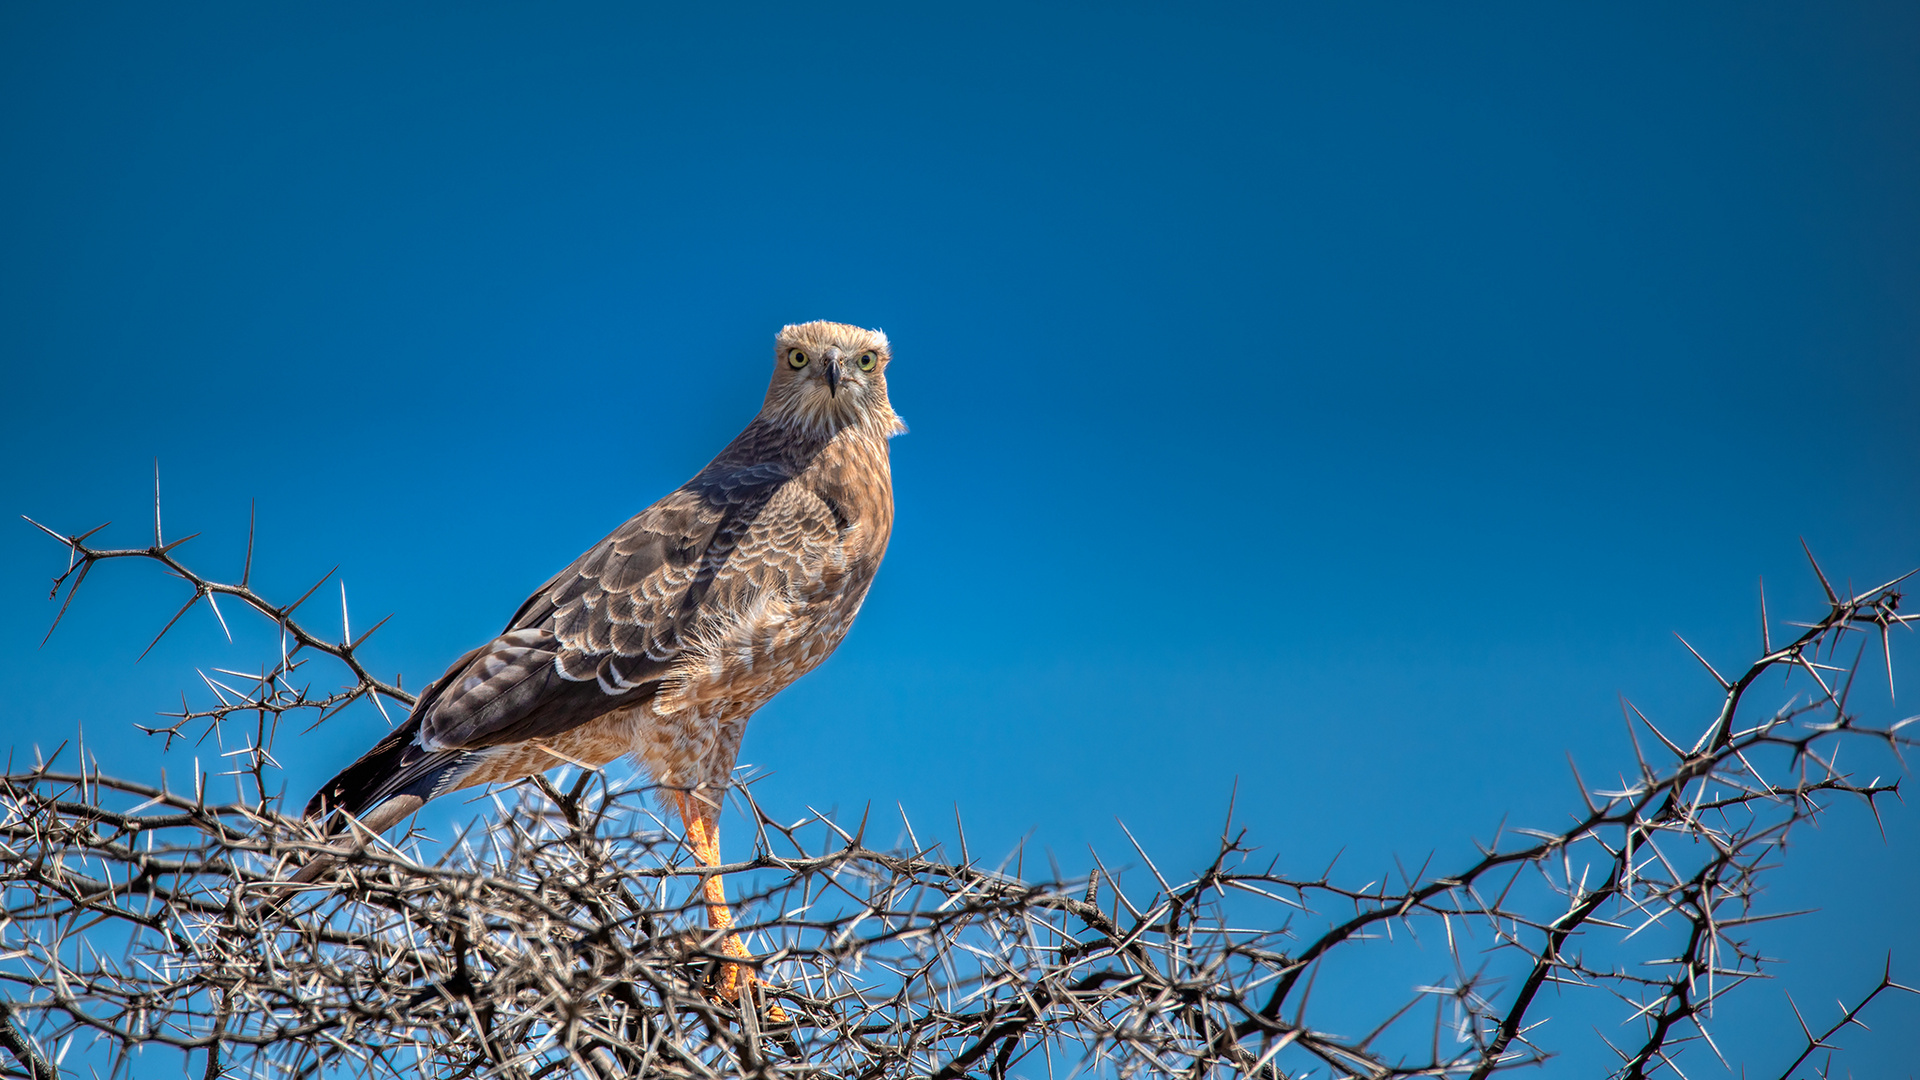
(599, 636)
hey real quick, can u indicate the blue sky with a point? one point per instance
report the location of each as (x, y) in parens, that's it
(1347, 401)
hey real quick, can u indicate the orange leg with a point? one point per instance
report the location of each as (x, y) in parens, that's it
(703, 833)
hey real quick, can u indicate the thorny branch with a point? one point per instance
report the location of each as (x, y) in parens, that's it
(559, 935)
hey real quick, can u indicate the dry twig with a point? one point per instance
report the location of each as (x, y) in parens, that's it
(558, 937)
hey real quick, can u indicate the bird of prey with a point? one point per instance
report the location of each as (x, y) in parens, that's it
(662, 639)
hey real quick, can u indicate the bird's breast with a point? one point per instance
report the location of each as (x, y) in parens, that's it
(792, 588)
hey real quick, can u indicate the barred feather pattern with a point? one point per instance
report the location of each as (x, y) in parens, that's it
(662, 640)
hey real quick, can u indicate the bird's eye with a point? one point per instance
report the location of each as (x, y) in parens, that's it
(797, 358)
(867, 360)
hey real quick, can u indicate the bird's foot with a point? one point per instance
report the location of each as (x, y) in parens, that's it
(739, 985)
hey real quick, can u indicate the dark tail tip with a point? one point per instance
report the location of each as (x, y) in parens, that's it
(354, 789)
(396, 765)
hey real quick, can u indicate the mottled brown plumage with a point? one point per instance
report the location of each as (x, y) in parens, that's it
(662, 639)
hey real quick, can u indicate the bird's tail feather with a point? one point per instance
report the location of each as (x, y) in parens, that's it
(397, 765)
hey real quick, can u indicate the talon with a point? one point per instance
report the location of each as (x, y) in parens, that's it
(733, 981)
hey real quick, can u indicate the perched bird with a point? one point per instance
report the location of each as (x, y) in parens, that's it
(662, 640)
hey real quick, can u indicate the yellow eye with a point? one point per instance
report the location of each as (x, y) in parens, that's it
(797, 358)
(867, 360)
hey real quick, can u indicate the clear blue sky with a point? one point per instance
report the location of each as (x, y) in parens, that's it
(1347, 399)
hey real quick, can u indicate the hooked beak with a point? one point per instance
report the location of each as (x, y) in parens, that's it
(832, 366)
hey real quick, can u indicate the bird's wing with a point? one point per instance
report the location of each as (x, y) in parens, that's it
(602, 634)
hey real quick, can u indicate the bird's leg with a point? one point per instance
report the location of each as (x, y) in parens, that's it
(703, 835)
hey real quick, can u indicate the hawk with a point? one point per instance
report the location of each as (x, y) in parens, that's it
(661, 641)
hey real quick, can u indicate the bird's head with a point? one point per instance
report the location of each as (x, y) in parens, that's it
(828, 376)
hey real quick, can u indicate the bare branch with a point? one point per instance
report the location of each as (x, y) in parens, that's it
(563, 935)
